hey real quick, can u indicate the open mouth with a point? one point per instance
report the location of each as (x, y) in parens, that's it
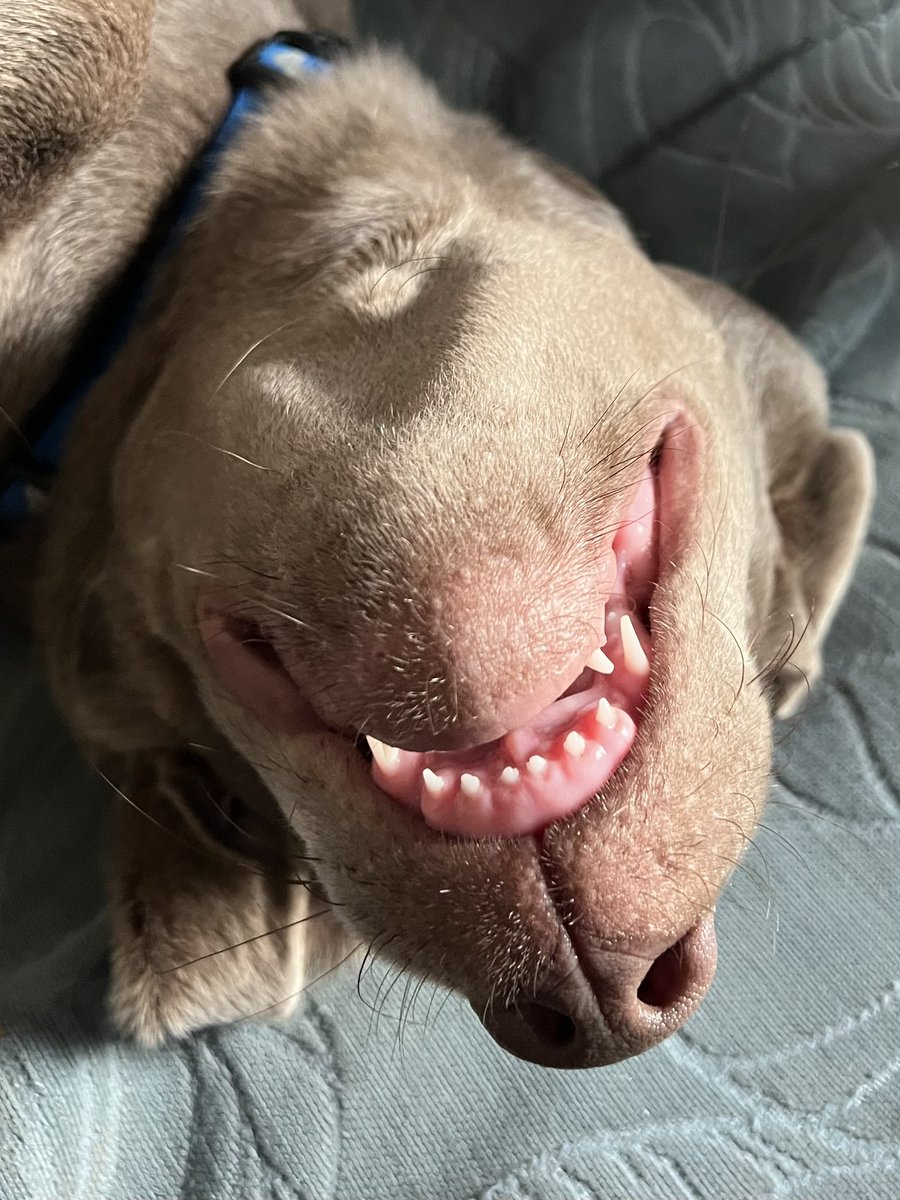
(535, 774)
(553, 765)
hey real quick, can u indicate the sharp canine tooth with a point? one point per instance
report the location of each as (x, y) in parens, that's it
(635, 656)
(599, 662)
(386, 756)
(509, 775)
(606, 714)
(574, 744)
(470, 785)
(536, 765)
(434, 785)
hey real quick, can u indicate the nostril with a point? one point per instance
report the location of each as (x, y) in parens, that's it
(667, 981)
(554, 1028)
(540, 1031)
(613, 1005)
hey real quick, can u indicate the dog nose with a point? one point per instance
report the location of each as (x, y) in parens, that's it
(611, 1006)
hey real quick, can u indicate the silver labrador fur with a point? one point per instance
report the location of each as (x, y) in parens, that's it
(388, 393)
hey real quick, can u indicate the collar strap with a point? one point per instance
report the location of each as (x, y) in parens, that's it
(277, 62)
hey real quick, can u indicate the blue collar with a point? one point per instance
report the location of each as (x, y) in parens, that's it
(26, 480)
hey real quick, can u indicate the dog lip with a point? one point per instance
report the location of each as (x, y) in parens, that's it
(552, 763)
(246, 661)
(679, 481)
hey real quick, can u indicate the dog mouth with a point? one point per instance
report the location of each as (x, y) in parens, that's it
(545, 769)
(556, 762)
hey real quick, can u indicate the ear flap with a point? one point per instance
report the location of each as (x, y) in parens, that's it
(212, 921)
(820, 491)
(823, 519)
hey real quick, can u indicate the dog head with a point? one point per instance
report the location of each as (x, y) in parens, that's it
(482, 543)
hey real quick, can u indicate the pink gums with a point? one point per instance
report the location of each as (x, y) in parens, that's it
(561, 759)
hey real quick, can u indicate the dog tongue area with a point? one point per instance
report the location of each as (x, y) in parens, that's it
(554, 765)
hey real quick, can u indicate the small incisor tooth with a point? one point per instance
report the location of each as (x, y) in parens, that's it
(600, 663)
(606, 714)
(509, 775)
(470, 785)
(574, 744)
(536, 765)
(636, 659)
(386, 756)
(434, 785)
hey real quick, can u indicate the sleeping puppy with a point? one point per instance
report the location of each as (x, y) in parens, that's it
(425, 571)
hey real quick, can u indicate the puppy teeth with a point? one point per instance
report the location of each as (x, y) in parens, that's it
(606, 714)
(386, 756)
(516, 743)
(434, 785)
(509, 775)
(574, 744)
(536, 765)
(470, 785)
(599, 662)
(636, 659)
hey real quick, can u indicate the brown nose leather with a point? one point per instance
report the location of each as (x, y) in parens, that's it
(611, 1006)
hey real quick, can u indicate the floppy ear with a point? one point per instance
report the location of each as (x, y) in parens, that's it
(822, 515)
(212, 921)
(820, 489)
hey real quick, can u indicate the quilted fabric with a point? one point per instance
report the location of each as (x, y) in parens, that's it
(755, 141)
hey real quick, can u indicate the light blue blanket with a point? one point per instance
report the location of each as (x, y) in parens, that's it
(759, 141)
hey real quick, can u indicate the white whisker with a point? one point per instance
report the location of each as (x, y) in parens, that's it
(212, 446)
(256, 345)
